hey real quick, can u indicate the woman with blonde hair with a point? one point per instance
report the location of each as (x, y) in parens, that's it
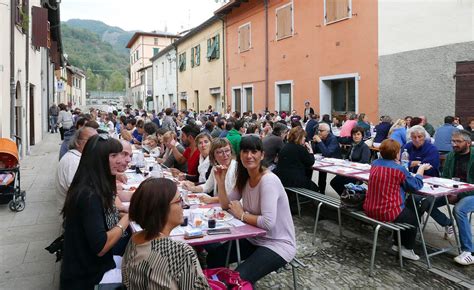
(398, 132)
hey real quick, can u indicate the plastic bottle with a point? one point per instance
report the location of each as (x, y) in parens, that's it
(405, 158)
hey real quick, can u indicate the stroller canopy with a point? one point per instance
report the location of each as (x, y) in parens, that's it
(8, 153)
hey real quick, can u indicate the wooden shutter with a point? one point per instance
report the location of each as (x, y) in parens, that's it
(192, 56)
(17, 12)
(209, 49)
(284, 22)
(336, 10)
(40, 26)
(217, 46)
(244, 37)
(465, 90)
(198, 55)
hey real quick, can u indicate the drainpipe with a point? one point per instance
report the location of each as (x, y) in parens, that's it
(12, 67)
(224, 50)
(27, 84)
(266, 55)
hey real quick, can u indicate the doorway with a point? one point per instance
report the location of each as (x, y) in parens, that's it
(237, 99)
(339, 94)
(284, 96)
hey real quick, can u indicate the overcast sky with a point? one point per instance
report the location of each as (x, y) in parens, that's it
(144, 15)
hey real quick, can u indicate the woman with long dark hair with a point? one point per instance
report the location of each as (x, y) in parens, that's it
(91, 221)
(264, 205)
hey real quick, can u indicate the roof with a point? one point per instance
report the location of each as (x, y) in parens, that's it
(226, 9)
(162, 52)
(75, 70)
(197, 29)
(152, 34)
(144, 68)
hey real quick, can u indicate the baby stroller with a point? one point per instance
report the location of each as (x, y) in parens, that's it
(10, 191)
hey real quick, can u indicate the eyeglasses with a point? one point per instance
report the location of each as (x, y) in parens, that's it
(179, 200)
(225, 151)
(457, 141)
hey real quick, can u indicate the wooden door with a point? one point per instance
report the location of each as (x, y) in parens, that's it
(465, 90)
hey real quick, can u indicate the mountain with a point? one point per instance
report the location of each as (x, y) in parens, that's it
(99, 50)
(116, 36)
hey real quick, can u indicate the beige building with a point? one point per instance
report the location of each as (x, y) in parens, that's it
(71, 87)
(200, 67)
(143, 46)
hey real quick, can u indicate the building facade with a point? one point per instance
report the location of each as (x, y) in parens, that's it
(143, 46)
(30, 52)
(426, 59)
(281, 53)
(165, 88)
(200, 67)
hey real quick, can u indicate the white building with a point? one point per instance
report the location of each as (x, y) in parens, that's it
(30, 51)
(165, 88)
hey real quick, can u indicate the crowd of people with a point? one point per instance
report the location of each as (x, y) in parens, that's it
(243, 162)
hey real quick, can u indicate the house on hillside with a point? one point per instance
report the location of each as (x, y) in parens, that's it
(143, 46)
(164, 78)
(200, 65)
(351, 56)
(30, 52)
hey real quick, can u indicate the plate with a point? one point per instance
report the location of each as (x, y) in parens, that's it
(218, 214)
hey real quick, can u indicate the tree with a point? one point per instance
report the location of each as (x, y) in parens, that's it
(116, 82)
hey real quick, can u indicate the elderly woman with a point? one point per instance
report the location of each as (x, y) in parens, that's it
(386, 199)
(220, 156)
(152, 259)
(295, 161)
(92, 226)
(360, 152)
(421, 151)
(264, 205)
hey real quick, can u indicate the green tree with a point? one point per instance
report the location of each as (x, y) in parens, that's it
(116, 82)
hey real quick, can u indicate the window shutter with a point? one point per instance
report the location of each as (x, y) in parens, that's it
(240, 38)
(39, 26)
(217, 45)
(192, 56)
(284, 22)
(17, 12)
(198, 55)
(337, 9)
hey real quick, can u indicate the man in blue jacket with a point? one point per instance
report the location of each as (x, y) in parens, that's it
(443, 135)
(326, 144)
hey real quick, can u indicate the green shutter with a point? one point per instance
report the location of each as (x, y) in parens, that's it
(192, 56)
(217, 45)
(155, 51)
(198, 55)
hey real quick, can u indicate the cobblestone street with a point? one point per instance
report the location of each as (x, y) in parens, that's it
(334, 262)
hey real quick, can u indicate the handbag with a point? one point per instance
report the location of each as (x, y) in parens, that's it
(353, 197)
(224, 278)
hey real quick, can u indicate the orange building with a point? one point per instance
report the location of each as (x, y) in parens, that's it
(281, 53)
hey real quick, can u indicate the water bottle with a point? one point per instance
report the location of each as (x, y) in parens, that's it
(140, 159)
(156, 172)
(405, 159)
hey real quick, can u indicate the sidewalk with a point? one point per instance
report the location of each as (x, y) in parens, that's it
(333, 262)
(24, 264)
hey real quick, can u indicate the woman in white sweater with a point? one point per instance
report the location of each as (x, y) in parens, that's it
(220, 156)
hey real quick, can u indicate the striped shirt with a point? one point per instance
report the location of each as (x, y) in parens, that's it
(162, 264)
(388, 181)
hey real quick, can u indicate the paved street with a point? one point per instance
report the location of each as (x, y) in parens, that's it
(333, 262)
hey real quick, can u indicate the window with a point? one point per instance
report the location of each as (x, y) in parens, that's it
(284, 97)
(182, 61)
(284, 21)
(248, 99)
(162, 69)
(18, 7)
(213, 48)
(237, 99)
(155, 41)
(196, 55)
(245, 36)
(336, 10)
(343, 95)
(156, 50)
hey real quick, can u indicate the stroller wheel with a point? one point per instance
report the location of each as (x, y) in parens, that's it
(16, 205)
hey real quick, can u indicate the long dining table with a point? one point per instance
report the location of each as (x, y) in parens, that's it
(434, 187)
